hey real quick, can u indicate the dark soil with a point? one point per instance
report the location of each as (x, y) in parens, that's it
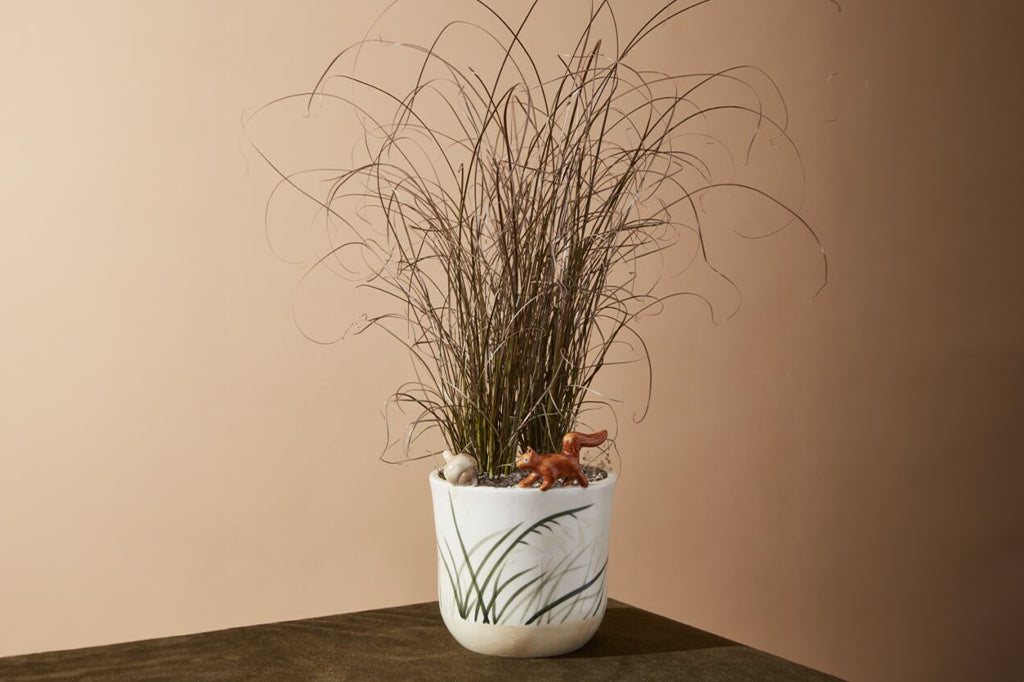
(511, 480)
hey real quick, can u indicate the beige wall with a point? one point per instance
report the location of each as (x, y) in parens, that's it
(834, 480)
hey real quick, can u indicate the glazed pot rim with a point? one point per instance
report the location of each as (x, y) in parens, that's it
(436, 480)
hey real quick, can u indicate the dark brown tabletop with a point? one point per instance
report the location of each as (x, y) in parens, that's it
(409, 643)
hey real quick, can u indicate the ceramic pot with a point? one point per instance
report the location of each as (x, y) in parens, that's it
(522, 572)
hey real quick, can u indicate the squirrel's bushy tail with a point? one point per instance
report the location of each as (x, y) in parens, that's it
(574, 440)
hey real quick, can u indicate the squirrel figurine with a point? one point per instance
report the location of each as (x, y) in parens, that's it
(559, 465)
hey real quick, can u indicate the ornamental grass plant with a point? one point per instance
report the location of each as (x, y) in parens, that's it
(507, 216)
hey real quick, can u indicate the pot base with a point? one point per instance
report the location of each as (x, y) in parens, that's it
(522, 641)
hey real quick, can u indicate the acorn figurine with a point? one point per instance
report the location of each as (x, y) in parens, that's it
(459, 469)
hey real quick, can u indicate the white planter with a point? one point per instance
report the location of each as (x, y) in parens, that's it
(522, 572)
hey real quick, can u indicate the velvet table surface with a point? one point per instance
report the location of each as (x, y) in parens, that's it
(409, 643)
